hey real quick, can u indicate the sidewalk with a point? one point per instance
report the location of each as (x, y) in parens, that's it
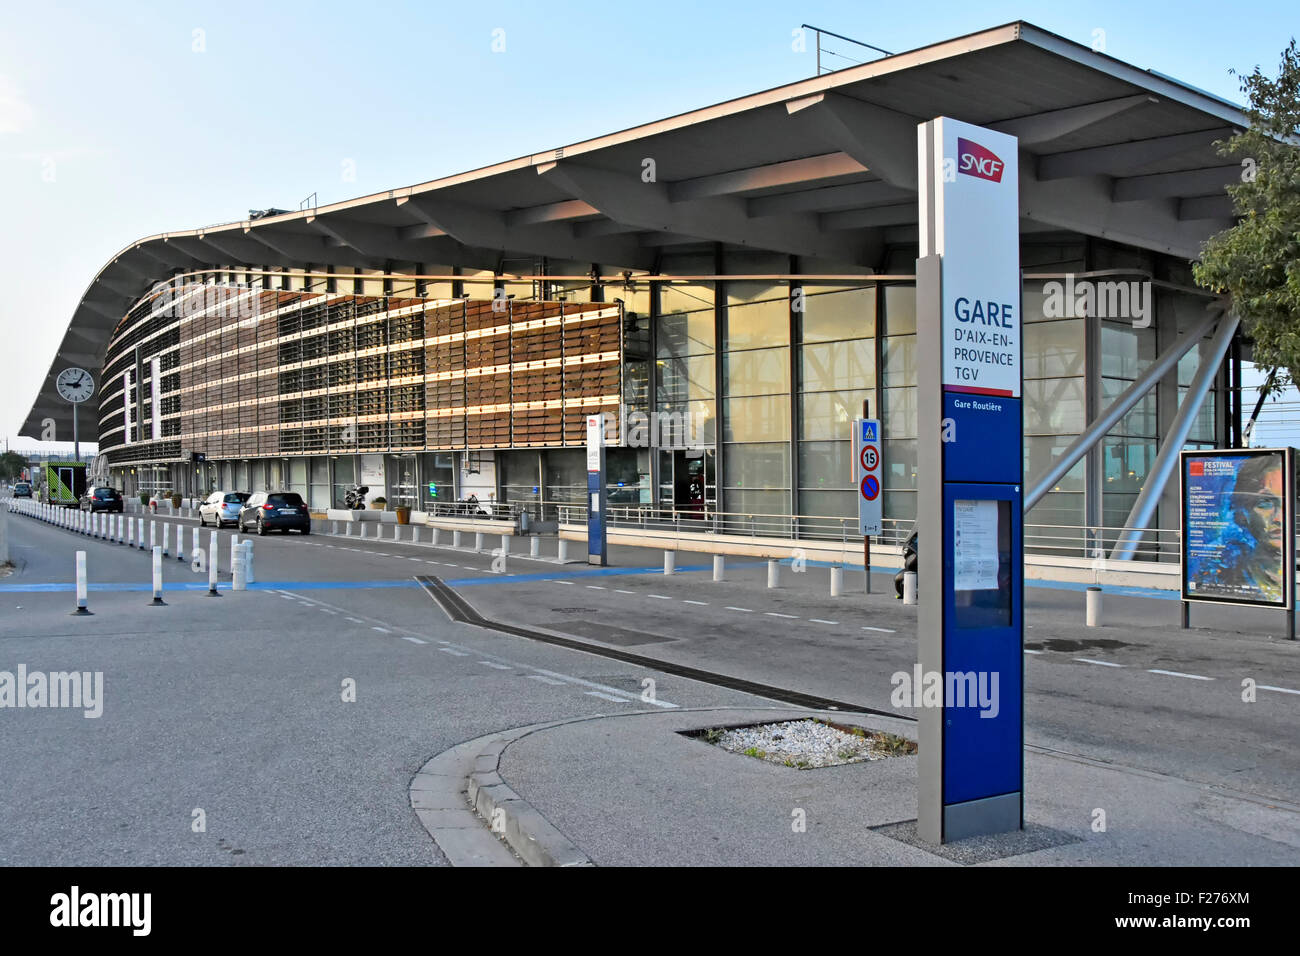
(632, 791)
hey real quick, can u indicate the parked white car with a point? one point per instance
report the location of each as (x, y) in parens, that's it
(222, 507)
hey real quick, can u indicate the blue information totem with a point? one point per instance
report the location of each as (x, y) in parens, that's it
(970, 622)
(597, 550)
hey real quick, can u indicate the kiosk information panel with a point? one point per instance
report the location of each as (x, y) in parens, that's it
(969, 481)
(596, 547)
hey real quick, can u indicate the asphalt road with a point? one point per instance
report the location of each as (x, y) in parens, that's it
(233, 705)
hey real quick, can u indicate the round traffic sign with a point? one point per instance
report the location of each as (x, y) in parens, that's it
(870, 457)
(870, 487)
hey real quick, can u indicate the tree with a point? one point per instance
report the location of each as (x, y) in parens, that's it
(11, 465)
(1257, 261)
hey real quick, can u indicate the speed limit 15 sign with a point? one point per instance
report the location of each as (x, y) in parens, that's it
(868, 475)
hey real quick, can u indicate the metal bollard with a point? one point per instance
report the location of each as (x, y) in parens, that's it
(455, 539)
(670, 561)
(478, 540)
(415, 534)
(1094, 606)
(505, 545)
(157, 577)
(909, 587)
(81, 584)
(719, 567)
(562, 551)
(837, 581)
(397, 532)
(535, 547)
(361, 530)
(773, 573)
(436, 534)
(212, 566)
(347, 529)
(247, 548)
(334, 527)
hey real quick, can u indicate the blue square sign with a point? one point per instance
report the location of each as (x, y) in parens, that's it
(868, 430)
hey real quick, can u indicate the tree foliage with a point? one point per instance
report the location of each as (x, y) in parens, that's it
(1257, 261)
(11, 465)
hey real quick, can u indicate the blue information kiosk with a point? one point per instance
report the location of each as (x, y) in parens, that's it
(970, 621)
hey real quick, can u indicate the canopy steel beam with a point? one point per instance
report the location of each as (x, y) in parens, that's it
(1117, 409)
(1145, 506)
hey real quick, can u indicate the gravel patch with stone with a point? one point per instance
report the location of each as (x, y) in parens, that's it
(806, 744)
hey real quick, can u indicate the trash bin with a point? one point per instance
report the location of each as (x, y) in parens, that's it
(522, 523)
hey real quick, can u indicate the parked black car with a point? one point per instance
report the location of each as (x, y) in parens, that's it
(101, 499)
(275, 510)
(909, 564)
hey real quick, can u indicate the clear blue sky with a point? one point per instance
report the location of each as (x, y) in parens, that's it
(113, 127)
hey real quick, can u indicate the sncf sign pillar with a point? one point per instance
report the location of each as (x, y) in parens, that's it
(597, 549)
(970, 622)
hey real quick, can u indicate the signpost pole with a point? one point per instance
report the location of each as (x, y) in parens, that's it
(866, 559)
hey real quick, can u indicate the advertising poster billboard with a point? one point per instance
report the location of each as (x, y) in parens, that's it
(1238, 534)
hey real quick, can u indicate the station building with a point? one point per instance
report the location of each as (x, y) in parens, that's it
(729, 285)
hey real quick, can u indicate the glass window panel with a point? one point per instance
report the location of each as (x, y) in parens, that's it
(1054, 349)
(835, 365)
(830, 504)
(1126, 462)
(762, 418)
(685, 379)
(898, 415)
(898, 360)
(1126, 352)
(1203, 424)
(743, 293)
(757, 467)
(756, 372)
(900, 309)
(758, 325)
(900, 506)
(828, 414)
(900, 463)
(1042, 451)
(686, 333)
(693, 425)
(1055, 508)
(829, 316)
(1054, 406)
(825, 464)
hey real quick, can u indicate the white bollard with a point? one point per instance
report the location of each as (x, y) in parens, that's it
(670, 561)
(909, 587)
(719, 567)
(478, 541)
(415, 534)
(130, 533)
(837, 581)
(347, 529)
(81, 584)
(361, 529)
(455, 539)
(334, 527)
(194, 545)
(166, 533)
(180, 542)
(247, 548)
(773, 573)
(435, 534)
(234, 550)
(535, 547)
(1094, 606)
(212, 566)
(238, 570)
(562, 551)
(505, 545)
(157, 576)
(153, 533)
(139, 537)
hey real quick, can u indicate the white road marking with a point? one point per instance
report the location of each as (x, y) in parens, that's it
(702, 603)
(609, 697)
(1152, 670)
(556, 581)
(882, 630)
(595, 587)
(1089, 660)
(413, 559)
(621, 591)
(382, 630)
(1280, 690)
(817, 620)
(452, 650)
(355, 620)
(414, 640)
(744, 609)
(659, 597)
(1028, 651)
(500, 667)
(326, 610)
(546, 680)
(779, 614)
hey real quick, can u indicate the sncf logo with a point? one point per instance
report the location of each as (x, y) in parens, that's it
(974, 160)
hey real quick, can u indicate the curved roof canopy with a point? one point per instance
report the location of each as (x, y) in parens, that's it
(824, 168)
